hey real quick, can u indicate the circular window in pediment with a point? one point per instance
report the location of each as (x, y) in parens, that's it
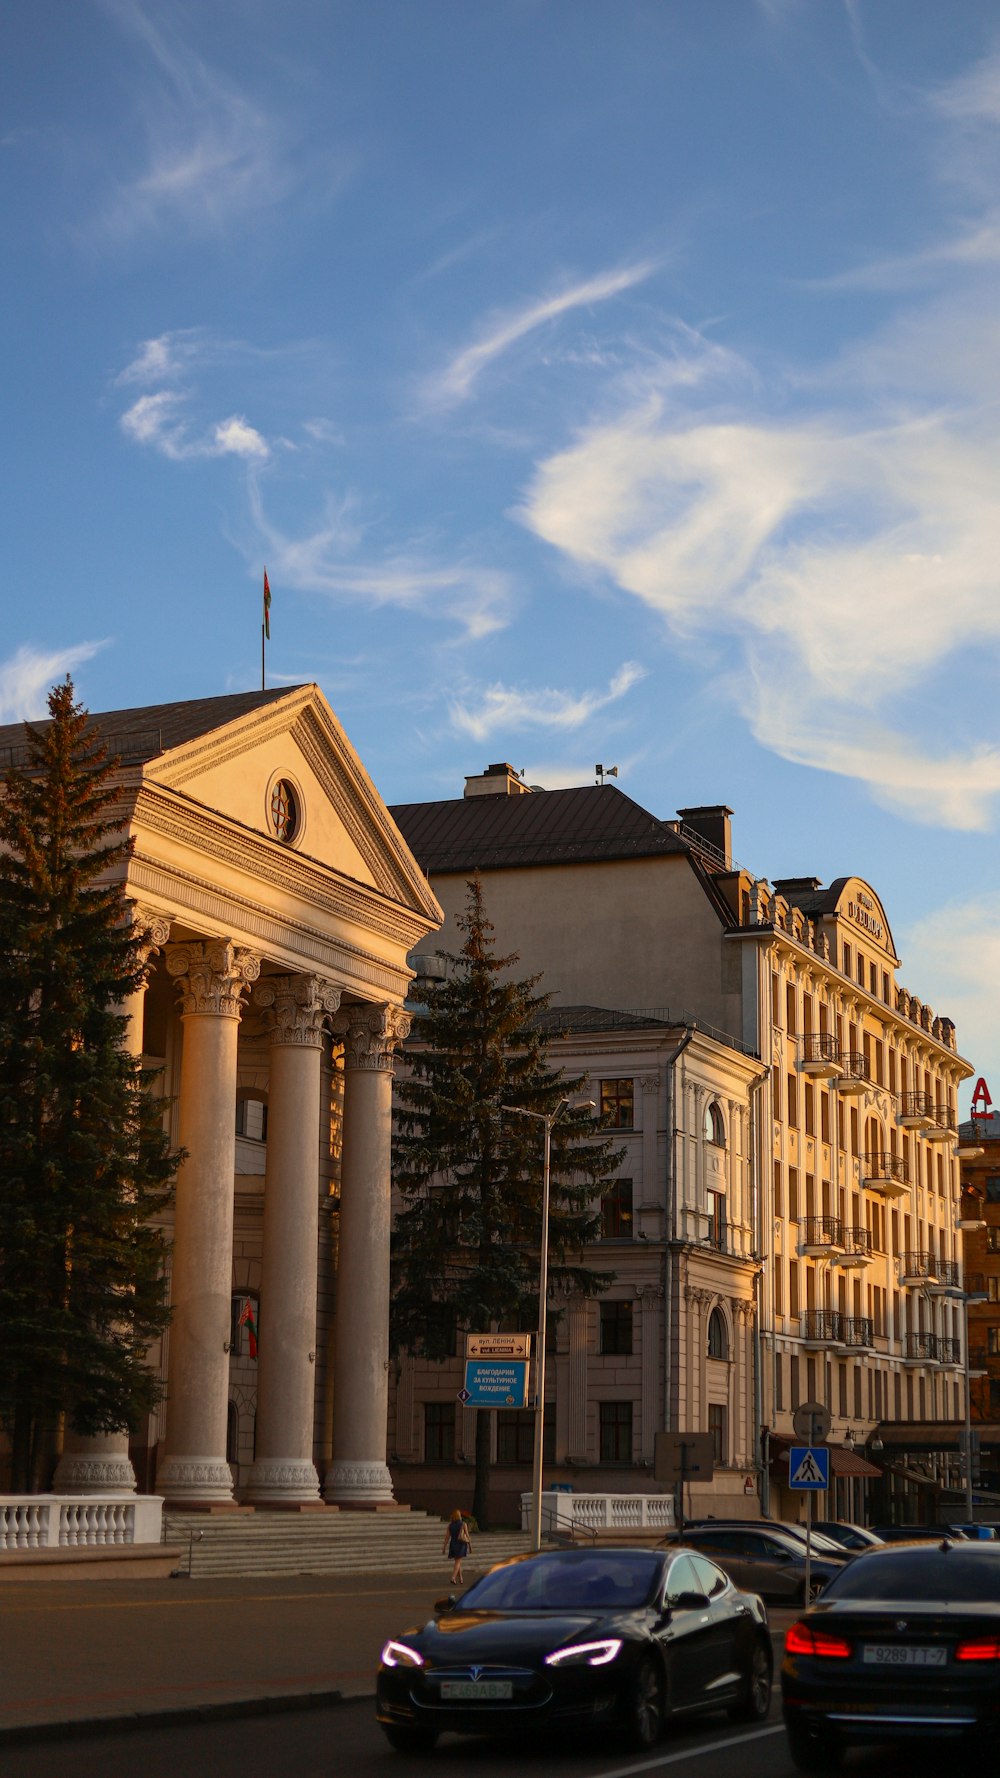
(284, 810)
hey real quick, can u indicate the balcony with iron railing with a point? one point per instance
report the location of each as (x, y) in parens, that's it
(975, 1286)
(915, 1110)
(970, 1212)
(978, 1361)
(820, 1055)
(857, 1248)
(819, 1327)
(920, 1347)
(949, 1279)
(918, 1267)
(853, 1074)
(943, 1126)
(949, 1350)
(856, 1332)
(887, 1175)
(821, 1234)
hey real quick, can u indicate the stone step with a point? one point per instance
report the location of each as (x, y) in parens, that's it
(335, 1543)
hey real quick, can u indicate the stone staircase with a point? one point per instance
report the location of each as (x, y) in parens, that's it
(326, 1543)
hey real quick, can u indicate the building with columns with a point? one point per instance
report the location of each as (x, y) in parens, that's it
(851, 1143)
(277, 904)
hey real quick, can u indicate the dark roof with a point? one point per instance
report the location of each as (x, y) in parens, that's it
(981, 1128)
(557, 1019)
(597, 821)
(142, 733)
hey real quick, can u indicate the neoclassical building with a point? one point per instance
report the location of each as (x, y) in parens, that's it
(277, 903)
(851, 1140)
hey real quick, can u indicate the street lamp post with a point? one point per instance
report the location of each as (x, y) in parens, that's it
(547, 1120)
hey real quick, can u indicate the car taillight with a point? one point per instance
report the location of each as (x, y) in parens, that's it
(802, 1639)
(983, 1648)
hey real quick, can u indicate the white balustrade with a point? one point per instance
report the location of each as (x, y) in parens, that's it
(602, 1512)
(69, 1521)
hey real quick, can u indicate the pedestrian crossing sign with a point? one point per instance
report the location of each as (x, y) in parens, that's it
(809, 1467)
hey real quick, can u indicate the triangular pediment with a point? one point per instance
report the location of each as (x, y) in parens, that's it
(233, 769)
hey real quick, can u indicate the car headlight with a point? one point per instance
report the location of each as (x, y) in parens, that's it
(585, 1654)
(398, 1654)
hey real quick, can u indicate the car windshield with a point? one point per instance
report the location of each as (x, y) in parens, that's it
(921, 1575)
(567, 1580)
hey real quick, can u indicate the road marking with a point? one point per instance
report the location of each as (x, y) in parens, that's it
(670, 1759)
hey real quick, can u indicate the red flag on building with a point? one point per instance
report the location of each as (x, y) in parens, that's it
(249, 1321)
(267, 608)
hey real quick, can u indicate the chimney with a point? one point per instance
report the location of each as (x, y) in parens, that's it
(497, 780)
(711, 825)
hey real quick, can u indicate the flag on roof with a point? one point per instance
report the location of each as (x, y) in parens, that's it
(267, 608)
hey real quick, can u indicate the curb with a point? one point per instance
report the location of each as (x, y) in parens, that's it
(180, 1716)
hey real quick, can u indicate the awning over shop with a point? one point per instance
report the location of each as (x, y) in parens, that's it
(843, 1461)
(906, 1436)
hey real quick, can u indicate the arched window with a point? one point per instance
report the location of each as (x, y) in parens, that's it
(715, 1126)
(718, 1337)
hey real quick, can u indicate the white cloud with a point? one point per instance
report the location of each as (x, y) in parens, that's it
(29, 675)
(505, 708)
(455, 382)
(955, 953)
(154, 420)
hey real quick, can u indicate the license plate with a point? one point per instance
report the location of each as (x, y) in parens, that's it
(899, 1655)
(476, 1688)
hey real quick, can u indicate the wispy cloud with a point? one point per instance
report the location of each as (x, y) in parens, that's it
(958, 951)
(28, 676)
(212, 151)
(503, 708)
(157, 421)
(455, 382)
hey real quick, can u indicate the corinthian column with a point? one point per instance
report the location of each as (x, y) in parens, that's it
(358, 1475)
(101, 1464)
(212, 979)
(297, 1008)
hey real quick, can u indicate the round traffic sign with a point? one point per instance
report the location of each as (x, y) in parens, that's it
(811, 1422)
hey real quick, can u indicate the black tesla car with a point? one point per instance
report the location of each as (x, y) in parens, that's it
(904, 1644)
(572, 1638)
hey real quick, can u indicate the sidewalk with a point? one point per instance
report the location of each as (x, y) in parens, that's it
(87, 1652)
(83, 1656)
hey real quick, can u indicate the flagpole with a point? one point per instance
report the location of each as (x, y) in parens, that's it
(263, 685)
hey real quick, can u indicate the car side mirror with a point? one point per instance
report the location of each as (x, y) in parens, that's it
(443, 1605)
(689, 1602)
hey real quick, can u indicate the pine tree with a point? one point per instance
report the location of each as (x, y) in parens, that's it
(466, 1239)
(84, 1161)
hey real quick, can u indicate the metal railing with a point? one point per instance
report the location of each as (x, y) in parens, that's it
(822, 1231)
(857, 1241)
(820, 1325)
(916, 1105)
(853, 1065)
(920, 1345)
(949, 1274)
(918, 1264)
(857, 1331)
(879, 1165)
(820, 1046)
(949, 1350)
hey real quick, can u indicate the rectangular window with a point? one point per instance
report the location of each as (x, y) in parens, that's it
(776, 1092)
(717, 1220)
(993, 1342)
(777, 1189)
(861, 970)
(618, 1103)
(439, 1431)
(993, 1240)
(616, 1212)
(993, 1289)
(791, 1089)
(793, 1194)
(516, 1435)
(616, 1431)
(251, 1119)
(440, 1334)
(790, 1024)
(854, 1130)
(779, 1377)
(824, 1115)
(717, 1432)
(616, 1329)
(809, 1098)
(775, 1000)
(872, 978)
(993, 1188)
(848, 960)
(793, 1288)
(886, 988)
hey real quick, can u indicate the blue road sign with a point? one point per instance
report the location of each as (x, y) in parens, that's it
(496, 1383)
(809, 1467)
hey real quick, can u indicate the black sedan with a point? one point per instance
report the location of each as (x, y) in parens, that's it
(905, 1644)
(578, 1638)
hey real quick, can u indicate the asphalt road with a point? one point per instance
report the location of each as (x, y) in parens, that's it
(345, 1742)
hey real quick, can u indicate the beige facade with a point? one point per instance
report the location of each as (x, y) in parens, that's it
(278, 904)
(853, 1126)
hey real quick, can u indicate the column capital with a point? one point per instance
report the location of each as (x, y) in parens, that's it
(371, 1035)
(649, 1082)
(212, 976)
(296, 1008)
(150, 929)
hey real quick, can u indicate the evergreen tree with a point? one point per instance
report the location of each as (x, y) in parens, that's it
(466, 1240)
(84, 1161)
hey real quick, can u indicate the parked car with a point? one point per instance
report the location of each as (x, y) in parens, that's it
(905, 1644)
(930, 1533)
(621, 1637)
(821, 1543)
(766, 1561)
(848, 1536)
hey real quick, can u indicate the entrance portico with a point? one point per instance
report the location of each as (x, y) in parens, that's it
(281, 903)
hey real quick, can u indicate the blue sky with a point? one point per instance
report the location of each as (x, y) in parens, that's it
(598, 380)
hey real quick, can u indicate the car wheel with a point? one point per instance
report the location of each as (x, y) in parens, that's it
(406, 1740)
(645, 1706)
(755, 1699)
(812, 1750)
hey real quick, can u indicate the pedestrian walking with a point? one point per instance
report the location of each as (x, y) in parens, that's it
(457, 1544)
